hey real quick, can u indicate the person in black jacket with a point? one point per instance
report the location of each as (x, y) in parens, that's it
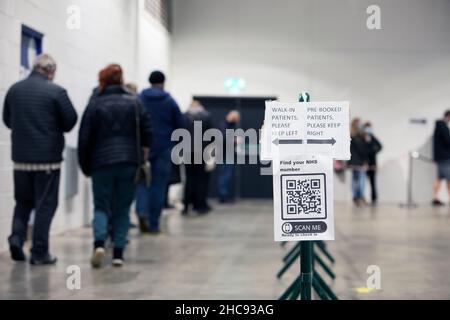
(108, 152)
(373, 148)
(358, 162)
(441, 154)
(196, 187)
(38, 112)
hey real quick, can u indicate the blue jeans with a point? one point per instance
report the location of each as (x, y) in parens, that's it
(358, 183)
(224, 179)
(150, 201)
(113, 186)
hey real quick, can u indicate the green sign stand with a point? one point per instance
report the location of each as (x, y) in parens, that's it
(306, 250)
(308, 279)
(294, 254)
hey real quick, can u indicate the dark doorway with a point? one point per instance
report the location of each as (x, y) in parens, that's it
(247, 181)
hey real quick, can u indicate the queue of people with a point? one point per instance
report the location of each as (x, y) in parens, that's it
(124, 146)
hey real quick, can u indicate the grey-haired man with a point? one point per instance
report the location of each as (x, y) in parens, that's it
(38, 112)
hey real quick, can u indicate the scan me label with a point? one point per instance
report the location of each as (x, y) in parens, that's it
(303, 198)
(304, 227)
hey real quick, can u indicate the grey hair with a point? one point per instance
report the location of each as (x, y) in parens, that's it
(44, 63)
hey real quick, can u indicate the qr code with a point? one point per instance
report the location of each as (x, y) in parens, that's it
(303, 197)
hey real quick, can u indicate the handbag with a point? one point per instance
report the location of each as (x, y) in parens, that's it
(143, 171)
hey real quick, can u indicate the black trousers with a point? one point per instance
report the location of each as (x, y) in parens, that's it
(196, 188)
(372, 174)
(36, 191)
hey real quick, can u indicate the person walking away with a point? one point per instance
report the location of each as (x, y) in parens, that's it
(196, 187)
(373, 148)
(441, 154)
(225, 170)
(38, 112)
(108, 152)
(166, 118)
(358, 162)
(131, 88)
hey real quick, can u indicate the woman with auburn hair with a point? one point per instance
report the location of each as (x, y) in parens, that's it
(114, 130)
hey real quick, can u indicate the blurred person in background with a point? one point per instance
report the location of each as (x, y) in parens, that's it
(358, 162)
(131, 88)
(108, 152)
(225, 170)
(166, 118)
(38, 112)
(197, 177)
(441, 154)
(373, 148)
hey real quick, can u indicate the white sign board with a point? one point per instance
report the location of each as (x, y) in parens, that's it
(312, 128)
(303, 197)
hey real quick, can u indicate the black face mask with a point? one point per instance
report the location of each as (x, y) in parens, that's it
(232, 125)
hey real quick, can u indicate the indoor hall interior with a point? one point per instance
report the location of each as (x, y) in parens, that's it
(390, 60)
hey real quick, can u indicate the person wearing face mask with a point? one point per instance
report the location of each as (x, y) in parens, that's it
(358, 162)
(441, 154)
(373, 148)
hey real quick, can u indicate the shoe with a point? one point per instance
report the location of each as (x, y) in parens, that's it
(143, 225)
(117, 257)
(17, 253)
(117, 263)
(45, 260)
(98, 257)
(437, 203)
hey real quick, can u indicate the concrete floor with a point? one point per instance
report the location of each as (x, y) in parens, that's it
(230, 255)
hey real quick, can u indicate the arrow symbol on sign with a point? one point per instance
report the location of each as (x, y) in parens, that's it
(331, 141)
(278, 141)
